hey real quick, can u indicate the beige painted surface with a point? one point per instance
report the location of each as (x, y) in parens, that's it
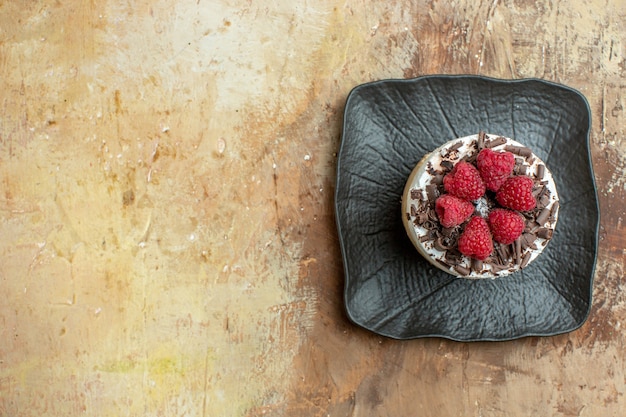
(168, 246)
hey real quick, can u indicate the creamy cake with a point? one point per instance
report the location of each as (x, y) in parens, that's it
(439, 245)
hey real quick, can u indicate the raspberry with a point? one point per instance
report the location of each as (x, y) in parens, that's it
(464, 182)
(495, 167)
(517, 193)
(452, 211)
(505, 225)
(475, 241)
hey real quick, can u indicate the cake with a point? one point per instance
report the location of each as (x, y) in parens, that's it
(481, 206)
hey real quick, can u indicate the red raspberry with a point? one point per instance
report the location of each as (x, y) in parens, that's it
(475, 241)
(517, 193)
(506, 225)
(464, 182)
(452, 211)
(495, 167)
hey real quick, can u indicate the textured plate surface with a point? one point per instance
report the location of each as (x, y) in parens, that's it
(389, 288)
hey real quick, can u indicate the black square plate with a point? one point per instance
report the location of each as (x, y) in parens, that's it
(389, 288)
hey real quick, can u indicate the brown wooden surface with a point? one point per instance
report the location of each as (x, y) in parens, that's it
(168, 245)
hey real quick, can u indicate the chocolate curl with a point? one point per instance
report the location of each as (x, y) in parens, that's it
(470, 157)
(421, 218)
(543, 201)
(447, 165)
(519, 168)
(477, 265)
(538, 191)
(448, 231)
(544, 233)
(440, 245)
(442, 263)
(496, 142)
(525, 260)
(519, 150)
(480, 143)
(432, 192)
(541, 168)
(462, 270)
(453, 257)
(528, 241)
(543, 216)
(455, 147)
(501, 252)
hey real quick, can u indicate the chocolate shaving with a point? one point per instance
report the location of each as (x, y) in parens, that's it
(454, 256)
(421, 218)
(416, 194)
(543, 201)
(541, 168)
(528, 240)
(538, 191)
(438, 244)
(461, 270)
(445, 265)
(448, 231)
(543, 216)
(477, 265)
(432, 192)
(470, 157)
(455, 147)
(501, 252)
(544, 233)
(509, 251)
(447, 165)
(519, 169)
(518, 250)
(525, 260)
(495, 142)
(480, 142)
(497, 267)
(529, 216)
(519, 150)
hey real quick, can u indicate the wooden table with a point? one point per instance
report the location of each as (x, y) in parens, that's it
(168, 240)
